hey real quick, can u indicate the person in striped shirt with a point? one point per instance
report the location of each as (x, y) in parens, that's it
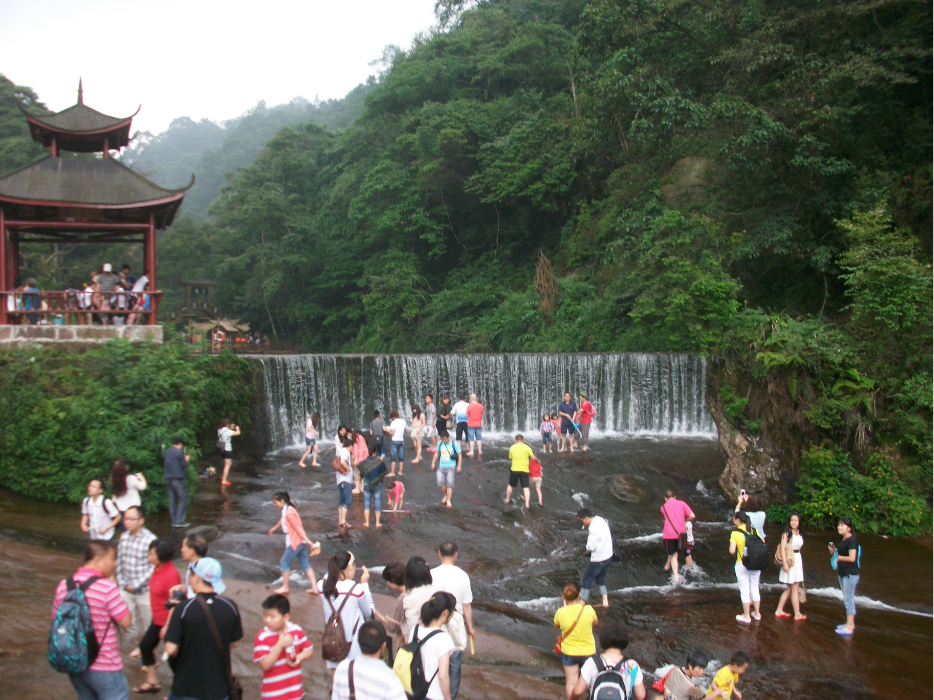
(104, 679)
(372, 679)
(279, 649)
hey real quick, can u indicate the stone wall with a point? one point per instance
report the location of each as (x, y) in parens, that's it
(77, 337)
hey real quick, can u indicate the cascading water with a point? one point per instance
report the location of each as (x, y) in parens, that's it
(632, 393)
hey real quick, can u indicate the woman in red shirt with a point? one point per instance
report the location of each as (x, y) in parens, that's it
(165, 575)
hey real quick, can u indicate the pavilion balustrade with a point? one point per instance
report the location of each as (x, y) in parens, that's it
(73, 307)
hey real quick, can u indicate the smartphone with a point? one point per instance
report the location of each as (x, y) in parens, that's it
(832, 544)
(742, 492)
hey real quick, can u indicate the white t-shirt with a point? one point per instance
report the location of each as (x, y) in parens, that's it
(100, 513)
(347, 478)
(630, 671)
(372, 679)
(140, 284)
(460, 411)
(599, 540)
(131, 498)
(398, 430)
(225, 434)
(432, 651)
(454, 580)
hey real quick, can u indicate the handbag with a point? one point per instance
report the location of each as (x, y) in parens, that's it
(682, 536)
(570, 629)
(236, 690)
(457, 630)
(802, 594)
(789, 554)
(338, 465)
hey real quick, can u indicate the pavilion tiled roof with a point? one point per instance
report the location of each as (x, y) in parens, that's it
(96, 183)
(80, 118)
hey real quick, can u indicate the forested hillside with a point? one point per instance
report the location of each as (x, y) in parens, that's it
(210, 150)
(748, 180)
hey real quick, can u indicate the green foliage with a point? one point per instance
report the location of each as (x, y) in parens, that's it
(735, 408)
(16, 145)
(879, 502)
(69, 416)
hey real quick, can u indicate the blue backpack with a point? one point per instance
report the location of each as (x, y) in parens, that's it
(73, 646)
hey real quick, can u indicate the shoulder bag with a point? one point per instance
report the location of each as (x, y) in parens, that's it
(682, 536)
(789, 553)
(570, 629)
(350, 685)
(236, 690)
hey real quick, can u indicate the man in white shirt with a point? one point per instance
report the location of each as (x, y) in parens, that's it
(99, 516)
(454, 580)
(600, 546)
(372, 679)
(460, 422)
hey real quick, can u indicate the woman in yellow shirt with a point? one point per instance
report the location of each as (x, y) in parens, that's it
(575, 620)
(748, 580)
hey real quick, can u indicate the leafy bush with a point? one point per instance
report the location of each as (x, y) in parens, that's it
(67, 417)
(879, 502)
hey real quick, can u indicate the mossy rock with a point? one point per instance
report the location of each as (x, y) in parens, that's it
(629, 489)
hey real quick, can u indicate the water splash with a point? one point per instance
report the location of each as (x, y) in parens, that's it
(649, 394)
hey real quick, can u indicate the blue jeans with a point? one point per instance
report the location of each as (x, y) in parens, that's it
(454, 670)
(573, 660)
(395, 451)
(595, 572)
(848, 586)
(346, 494)
(376, 494)
(178, 500)
(291, 555)
(100, 685)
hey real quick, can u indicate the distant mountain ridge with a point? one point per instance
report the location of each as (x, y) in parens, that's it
(210, 150)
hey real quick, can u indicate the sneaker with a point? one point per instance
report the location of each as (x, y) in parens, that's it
(182, 525)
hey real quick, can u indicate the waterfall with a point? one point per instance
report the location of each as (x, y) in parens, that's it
(662, 394)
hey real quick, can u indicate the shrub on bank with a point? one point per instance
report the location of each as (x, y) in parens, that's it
(877, 501)
(68, 416)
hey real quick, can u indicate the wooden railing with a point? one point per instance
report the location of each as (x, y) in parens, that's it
(70, 307)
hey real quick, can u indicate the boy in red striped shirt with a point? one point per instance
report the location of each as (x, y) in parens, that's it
(279, 649)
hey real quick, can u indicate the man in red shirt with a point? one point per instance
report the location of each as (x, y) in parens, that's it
(474, 423)
(104, 679)
(585, 416)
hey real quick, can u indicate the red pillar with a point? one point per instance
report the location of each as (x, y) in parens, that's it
(4, 268)
(151, 265)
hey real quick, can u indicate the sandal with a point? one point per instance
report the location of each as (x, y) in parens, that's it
(801, 619)
(148, 690)
(841, 630)
(744, 620)
(756, 616)
(782, 615)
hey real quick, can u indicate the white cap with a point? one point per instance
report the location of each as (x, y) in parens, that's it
(107, 267)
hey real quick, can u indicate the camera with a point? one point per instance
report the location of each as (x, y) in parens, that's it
(176, 598)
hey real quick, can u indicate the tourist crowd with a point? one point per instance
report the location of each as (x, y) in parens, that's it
(417, 649)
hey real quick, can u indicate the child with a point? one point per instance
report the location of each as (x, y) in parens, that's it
(396, 494)
(164, 578)
(535, 478)
(689, 550)
(547, 429)
(279, 648)
(311, 441)
(678, 684)
(727, 677)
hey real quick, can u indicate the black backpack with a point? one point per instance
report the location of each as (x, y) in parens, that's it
(756, 556)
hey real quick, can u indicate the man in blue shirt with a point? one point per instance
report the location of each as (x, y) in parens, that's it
(175, 464)
(567, 410)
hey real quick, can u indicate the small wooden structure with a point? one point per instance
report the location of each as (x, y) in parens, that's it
(80, 200)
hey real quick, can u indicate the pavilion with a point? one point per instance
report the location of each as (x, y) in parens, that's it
(80, 199)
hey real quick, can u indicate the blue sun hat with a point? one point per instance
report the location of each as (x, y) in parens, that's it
(209, 570)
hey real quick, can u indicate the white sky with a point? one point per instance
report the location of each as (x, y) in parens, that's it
(198, 58)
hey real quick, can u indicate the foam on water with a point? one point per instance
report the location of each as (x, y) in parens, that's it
(579, 498)
(864, 601)
(701, 487)
(654, 537)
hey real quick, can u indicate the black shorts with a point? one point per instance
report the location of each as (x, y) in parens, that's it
(226, 454)
(516, 478)
(688, 550)
(671, 547)
(461, 431)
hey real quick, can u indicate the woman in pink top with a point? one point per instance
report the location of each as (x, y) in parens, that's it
(297, 544)
(675, 514)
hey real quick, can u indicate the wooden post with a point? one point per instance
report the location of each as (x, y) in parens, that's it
(4, 269)
(151, 266)
(54, 147)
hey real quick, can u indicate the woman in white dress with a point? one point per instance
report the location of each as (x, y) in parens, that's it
(339, 586)
(792, 573)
